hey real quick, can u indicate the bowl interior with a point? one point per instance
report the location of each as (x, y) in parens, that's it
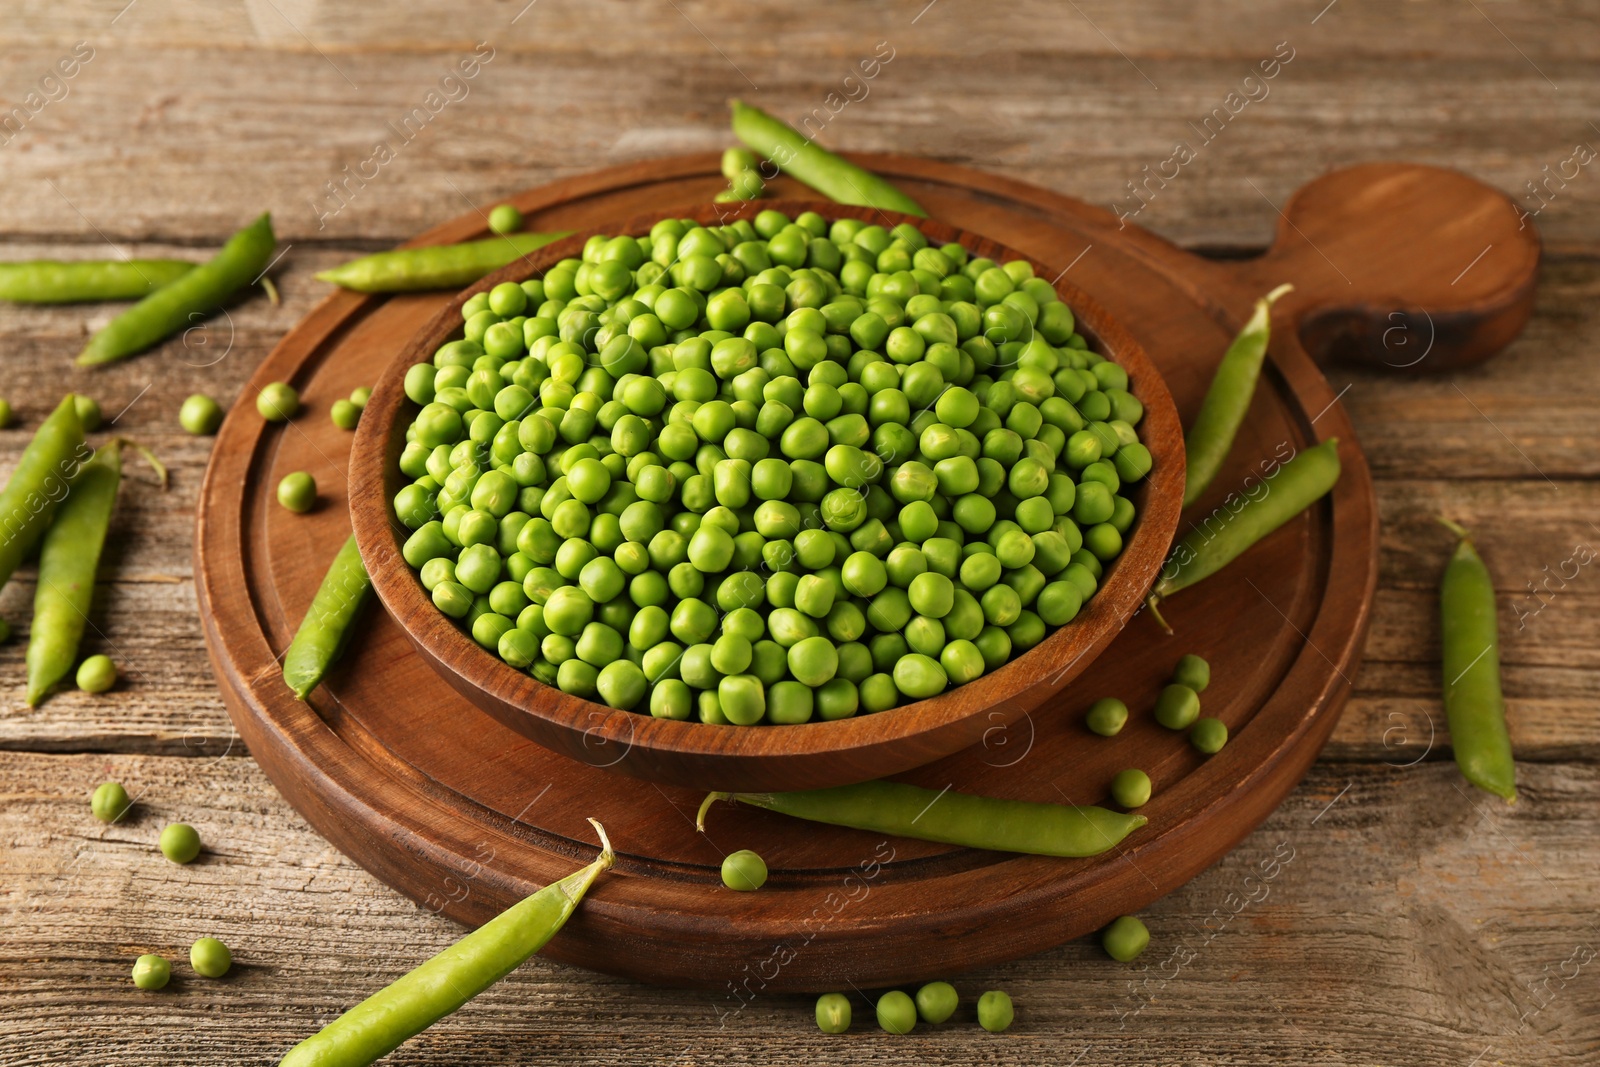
(768, 756)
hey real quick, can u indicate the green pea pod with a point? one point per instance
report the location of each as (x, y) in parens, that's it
(385, 1020)
(1473, 703)
(1226, 402)
(39, 484)
(825, 172)
(69, 557)
(436, 266)
(326, 627)
(1217, 540)
(199, 294)
(44, 281)
(952, 818)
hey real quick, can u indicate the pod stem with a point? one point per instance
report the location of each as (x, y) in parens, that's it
(1153, 603)
(705, 806)
(1454, 527)
(1272, 297)
(149, 457)
(608, 855)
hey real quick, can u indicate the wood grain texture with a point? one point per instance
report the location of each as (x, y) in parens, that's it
(1412, 938)
(1344, 931)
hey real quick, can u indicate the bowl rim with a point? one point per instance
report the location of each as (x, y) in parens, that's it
(596, 727)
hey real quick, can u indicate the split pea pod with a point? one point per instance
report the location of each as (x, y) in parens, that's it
(435, 266)
(385, 1020)
(39, 484)
(47, 281)
(952, 818)
(325, 629)
(797, 155)
(69, 558)
(1219, 539)
(197, 295)
(1223, 410)
(1473, 703)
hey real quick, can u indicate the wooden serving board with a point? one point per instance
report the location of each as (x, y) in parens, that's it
(465, 816)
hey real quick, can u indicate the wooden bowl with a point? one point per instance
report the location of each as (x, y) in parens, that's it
(807, 756)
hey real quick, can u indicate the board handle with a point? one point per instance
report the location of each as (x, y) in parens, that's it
(1413, 268)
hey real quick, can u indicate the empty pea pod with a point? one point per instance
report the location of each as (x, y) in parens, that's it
(39, 484)
(950, 817)
(1209, 439)
(48, 281)
(326, 627)
(825, 172)
(197, 295)
(1470, 639)
(435, 266)
(1212, 545)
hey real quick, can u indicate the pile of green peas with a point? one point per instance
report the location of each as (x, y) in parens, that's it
(776, 471)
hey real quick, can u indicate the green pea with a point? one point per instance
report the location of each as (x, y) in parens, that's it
(1107, 716)
(278, 402)
(97, 674)
(504, 218)
(297, 492)
(179, 842)
(200, 415)
(152, 972)
(995, 1011)
(210, 958)
(1177, 707)
(1125, 939)
(1192, 671)
(833, 1013)
(1131, 788)
(746, 872)
(1208, 735)
(110, 802)
(937, 1001)
(896, 1012)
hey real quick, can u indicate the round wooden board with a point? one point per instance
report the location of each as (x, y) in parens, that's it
(465, 816)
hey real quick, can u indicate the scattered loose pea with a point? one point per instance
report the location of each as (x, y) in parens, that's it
(88, 411)
(297, 492)
(995, 1011)
(110, 802)
(360, 395)
(1107, 716)
(278, 402)
(504, 218)
(897, 1013)
(97, 674)
(1193, 672)
(200, 415)
(180, 842)
(1131, 788)
(1177, 707)
(1125, 938)
(210, 958)
(744, 871)
(345, 414)
(937, 1001)
(1208, 735)
(151, 972)
(833, 1013)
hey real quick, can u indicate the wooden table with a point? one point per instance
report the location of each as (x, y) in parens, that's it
(1384, 914)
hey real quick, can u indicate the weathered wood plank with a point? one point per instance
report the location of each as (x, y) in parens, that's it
(1378, 908)
(1075, 115)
